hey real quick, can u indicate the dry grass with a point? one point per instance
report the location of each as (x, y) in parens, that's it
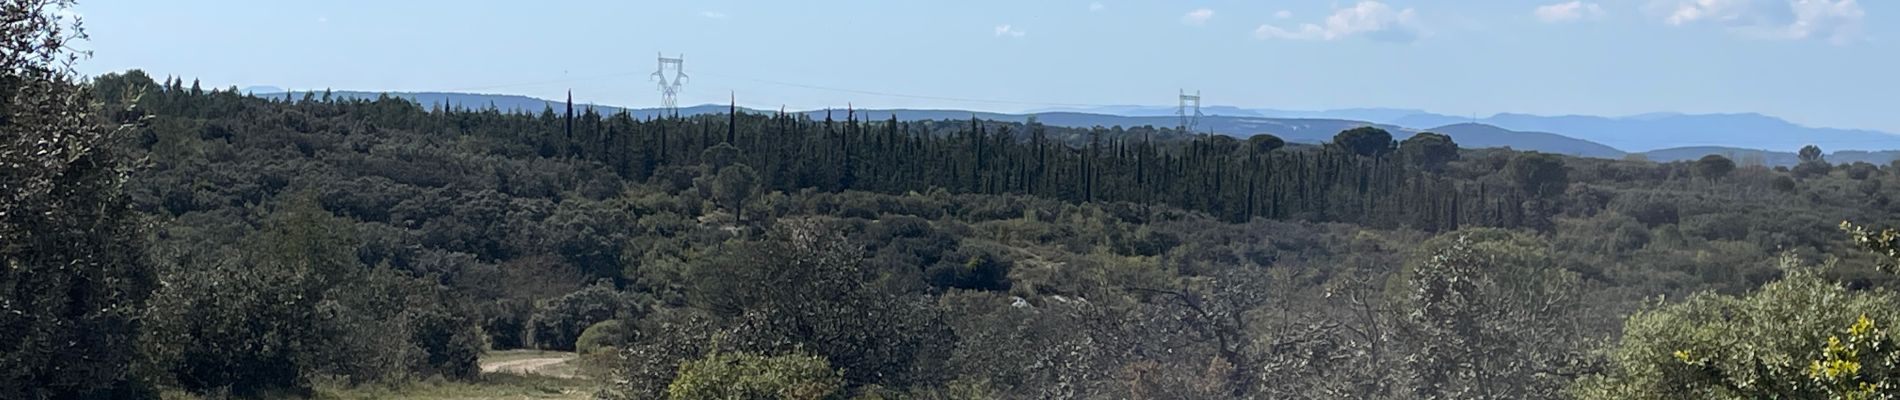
(549, 382)
(488, 387)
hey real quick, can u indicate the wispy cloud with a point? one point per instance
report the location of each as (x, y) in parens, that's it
(1197, 17)
(1283, 14)
(1371, 19)
(1568, 12)
(1096, 6)
(713, 14)
(1009, 31)
(1837, 21)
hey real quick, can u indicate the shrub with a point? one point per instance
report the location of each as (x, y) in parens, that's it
(604, 335)
(558, 323)
(751, 376)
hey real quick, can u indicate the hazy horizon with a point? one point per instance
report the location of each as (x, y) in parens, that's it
(1603, 58)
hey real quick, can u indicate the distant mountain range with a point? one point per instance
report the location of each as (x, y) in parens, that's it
(1642, 133)
(1666, 130)
(1661, 137)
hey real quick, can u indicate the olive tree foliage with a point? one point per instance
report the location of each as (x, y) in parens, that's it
(73, 275)
(1492, 317)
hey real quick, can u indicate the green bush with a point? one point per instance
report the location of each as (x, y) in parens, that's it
(298, 304)
(604, 335)
(1784, 341)
(751, 376)
(558, 323)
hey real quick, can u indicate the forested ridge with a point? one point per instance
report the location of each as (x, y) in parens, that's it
(165, 239)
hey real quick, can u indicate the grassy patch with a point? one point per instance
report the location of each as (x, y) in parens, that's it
(488, 386)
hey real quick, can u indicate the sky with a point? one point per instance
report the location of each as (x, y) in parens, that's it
(1829, 63)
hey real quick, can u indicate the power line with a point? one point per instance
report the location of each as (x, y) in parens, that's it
(902, 95)
(537, 83)
(986, 101)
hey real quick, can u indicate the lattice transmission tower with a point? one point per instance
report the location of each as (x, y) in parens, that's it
(1190, 120)
(670, 86)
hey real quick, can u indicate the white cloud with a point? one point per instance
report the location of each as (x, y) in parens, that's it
(1197, 17)
(1371, 19)
(713, 14)
(1096, 6)
(1568, 11)
(1683, 12)
(1838, 21)
(1283, 14)
(323, 20)
(1010, 31)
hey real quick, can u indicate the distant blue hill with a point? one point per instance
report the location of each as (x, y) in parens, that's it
(1481, 135)
(1769, 158)
(1643, 132)
(1672, 130)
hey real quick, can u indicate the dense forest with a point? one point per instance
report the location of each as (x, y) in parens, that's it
(162, 239)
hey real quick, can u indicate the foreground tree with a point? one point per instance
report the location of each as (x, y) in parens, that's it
(73, 275)
(1492, 317)
(298, 304)
(1798, 338)
(806, 288)
(1802, 337)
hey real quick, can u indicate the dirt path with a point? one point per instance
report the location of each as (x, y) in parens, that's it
(545, 366)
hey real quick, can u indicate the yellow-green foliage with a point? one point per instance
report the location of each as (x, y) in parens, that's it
(1885, 242)
(751, 376)
(1801, 337)
(1845, 366)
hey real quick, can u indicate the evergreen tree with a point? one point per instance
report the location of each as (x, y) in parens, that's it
(73, 272)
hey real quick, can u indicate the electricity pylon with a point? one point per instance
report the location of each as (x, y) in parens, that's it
(670, 87)
(1189, 122)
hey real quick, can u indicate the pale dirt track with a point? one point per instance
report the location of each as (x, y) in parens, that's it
(531, 366)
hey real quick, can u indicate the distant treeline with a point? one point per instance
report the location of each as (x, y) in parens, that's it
(1363, 177)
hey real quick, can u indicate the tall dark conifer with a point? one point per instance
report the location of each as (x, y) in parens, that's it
(569, 127)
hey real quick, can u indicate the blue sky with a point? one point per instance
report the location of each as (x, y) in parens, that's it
(1818, 62)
